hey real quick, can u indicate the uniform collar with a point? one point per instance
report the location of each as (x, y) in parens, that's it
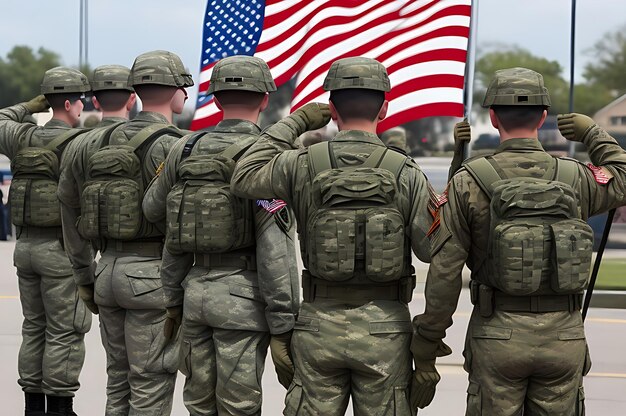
(152, 117)
(358, 136)
(53, 122)
(519, 144)
(109, 121)
(235, 125)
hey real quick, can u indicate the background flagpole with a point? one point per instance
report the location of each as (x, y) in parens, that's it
(468, 91)
(572, 42)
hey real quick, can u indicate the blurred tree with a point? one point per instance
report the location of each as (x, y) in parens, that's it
(21, 73)
(608, 67)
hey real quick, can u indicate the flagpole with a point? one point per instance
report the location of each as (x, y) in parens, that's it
(572, 145)
(468, 91)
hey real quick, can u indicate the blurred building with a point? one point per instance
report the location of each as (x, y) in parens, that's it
(612, 118)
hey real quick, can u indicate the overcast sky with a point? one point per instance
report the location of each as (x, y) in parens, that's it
(119, 30)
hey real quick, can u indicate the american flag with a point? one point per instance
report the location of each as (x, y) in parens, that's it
(271, 206)
(423, 44)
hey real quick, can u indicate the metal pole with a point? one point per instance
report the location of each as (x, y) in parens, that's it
(80, 35)
(86, 32)
(572, 144)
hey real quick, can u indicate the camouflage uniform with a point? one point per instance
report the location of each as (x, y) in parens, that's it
(232, 300)
(529, 355)
(350, 339)
(55, 320)
(141, 369)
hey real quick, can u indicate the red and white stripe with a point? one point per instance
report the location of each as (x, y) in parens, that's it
(423, 44)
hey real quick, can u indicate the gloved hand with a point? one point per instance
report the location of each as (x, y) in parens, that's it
(85, 293)
(311, 116)
(574, 126)
(462, 133)
(425, 376)
(280, 347)
(37, 104)
(173, 319)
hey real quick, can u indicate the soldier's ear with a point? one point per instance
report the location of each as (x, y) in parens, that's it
(333, 111)
(494, 119)
(131, 101)
(67, 105)
(95, 102)
(382, 113)
(265, 102)
(543, 118)
(217, 103)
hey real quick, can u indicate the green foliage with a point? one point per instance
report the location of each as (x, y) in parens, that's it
(608, 67)
(21, 73)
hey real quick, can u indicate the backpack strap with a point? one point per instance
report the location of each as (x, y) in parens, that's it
(484, 173)
(319, 158)
(393, 161)
(235, 150)
(63, 138)
(152, 131)
(566, 172)
(375, 158)
(191, 142)
(109, 132)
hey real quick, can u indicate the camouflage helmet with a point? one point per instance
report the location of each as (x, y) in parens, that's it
(64, 80)
(159, 68)
(357, 72)
(243, 73)
(394, 137)
(516, 86)
(110, 77)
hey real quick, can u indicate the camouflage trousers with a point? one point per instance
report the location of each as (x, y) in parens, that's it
(224, 342)
(359, 350)
(141, 367)
(526, 364)
(55, 320)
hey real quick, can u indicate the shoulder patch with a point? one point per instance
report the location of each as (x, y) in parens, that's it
(601, 175)
(434, 206)
(271, 206)
(159, 169)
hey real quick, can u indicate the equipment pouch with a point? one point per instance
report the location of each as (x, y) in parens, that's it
(485, 301)
(308, 288)
(406, 286)
(571, 256)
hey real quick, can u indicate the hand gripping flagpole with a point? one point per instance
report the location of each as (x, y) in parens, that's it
(463, 152)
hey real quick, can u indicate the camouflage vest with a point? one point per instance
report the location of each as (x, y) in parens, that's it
(536, 230)
(33, 191)
(114, 187)
(203, 216)
(355, 230)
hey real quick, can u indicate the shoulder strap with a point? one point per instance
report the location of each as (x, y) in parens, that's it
(63, 138)
(393, 161)
(484, 173)
(152, 131)
(375, 158)
(319, 157)
(109, 131)
(566, 171)
(235, 150)
(191, 142)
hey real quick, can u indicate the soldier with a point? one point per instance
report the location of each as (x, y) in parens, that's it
(55, 320)
(395, 138)
(128, 293)
(235, 295)
(360, 208)
(517, 219)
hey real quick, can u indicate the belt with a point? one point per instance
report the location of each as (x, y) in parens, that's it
(537, 304)
(143, 248)
(235, 260)
(39, 232)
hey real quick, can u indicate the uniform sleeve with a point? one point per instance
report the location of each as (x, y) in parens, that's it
(606, 153)
(79, 250)
(277, 268)
(421, 216)
(154, 200)
(12, 129)
(450, 247)
(174, 269)
(264, 171)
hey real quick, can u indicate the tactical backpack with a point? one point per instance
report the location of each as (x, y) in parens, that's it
(203, 216)
(355, 227)
(536, 229)
(33, 191)
(113, 192)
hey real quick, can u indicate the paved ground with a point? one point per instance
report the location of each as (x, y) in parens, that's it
(605, 385)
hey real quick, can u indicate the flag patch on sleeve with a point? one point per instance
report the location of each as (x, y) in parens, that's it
(271, 206)
(600, 174)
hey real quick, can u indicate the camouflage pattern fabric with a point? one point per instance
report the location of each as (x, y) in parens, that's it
(141, 374)
(110, 77)
(229, 310)
(55, 321)
(516, 86)
(159, 68)
(357, 72)
(459, 239)
(64, 80)
(241, 73)
(342, 349)
(274, 168)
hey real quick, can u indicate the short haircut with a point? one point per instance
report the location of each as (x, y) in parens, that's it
(251, 99)
(519, 116)
(154, 93)
(357, 103)
(112, 100)
(58, 100)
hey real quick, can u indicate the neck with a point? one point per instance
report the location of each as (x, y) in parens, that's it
(518, 134)
(241, 114)
(118, 113)
(163, 109)
(62, 116)
(362, 125)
